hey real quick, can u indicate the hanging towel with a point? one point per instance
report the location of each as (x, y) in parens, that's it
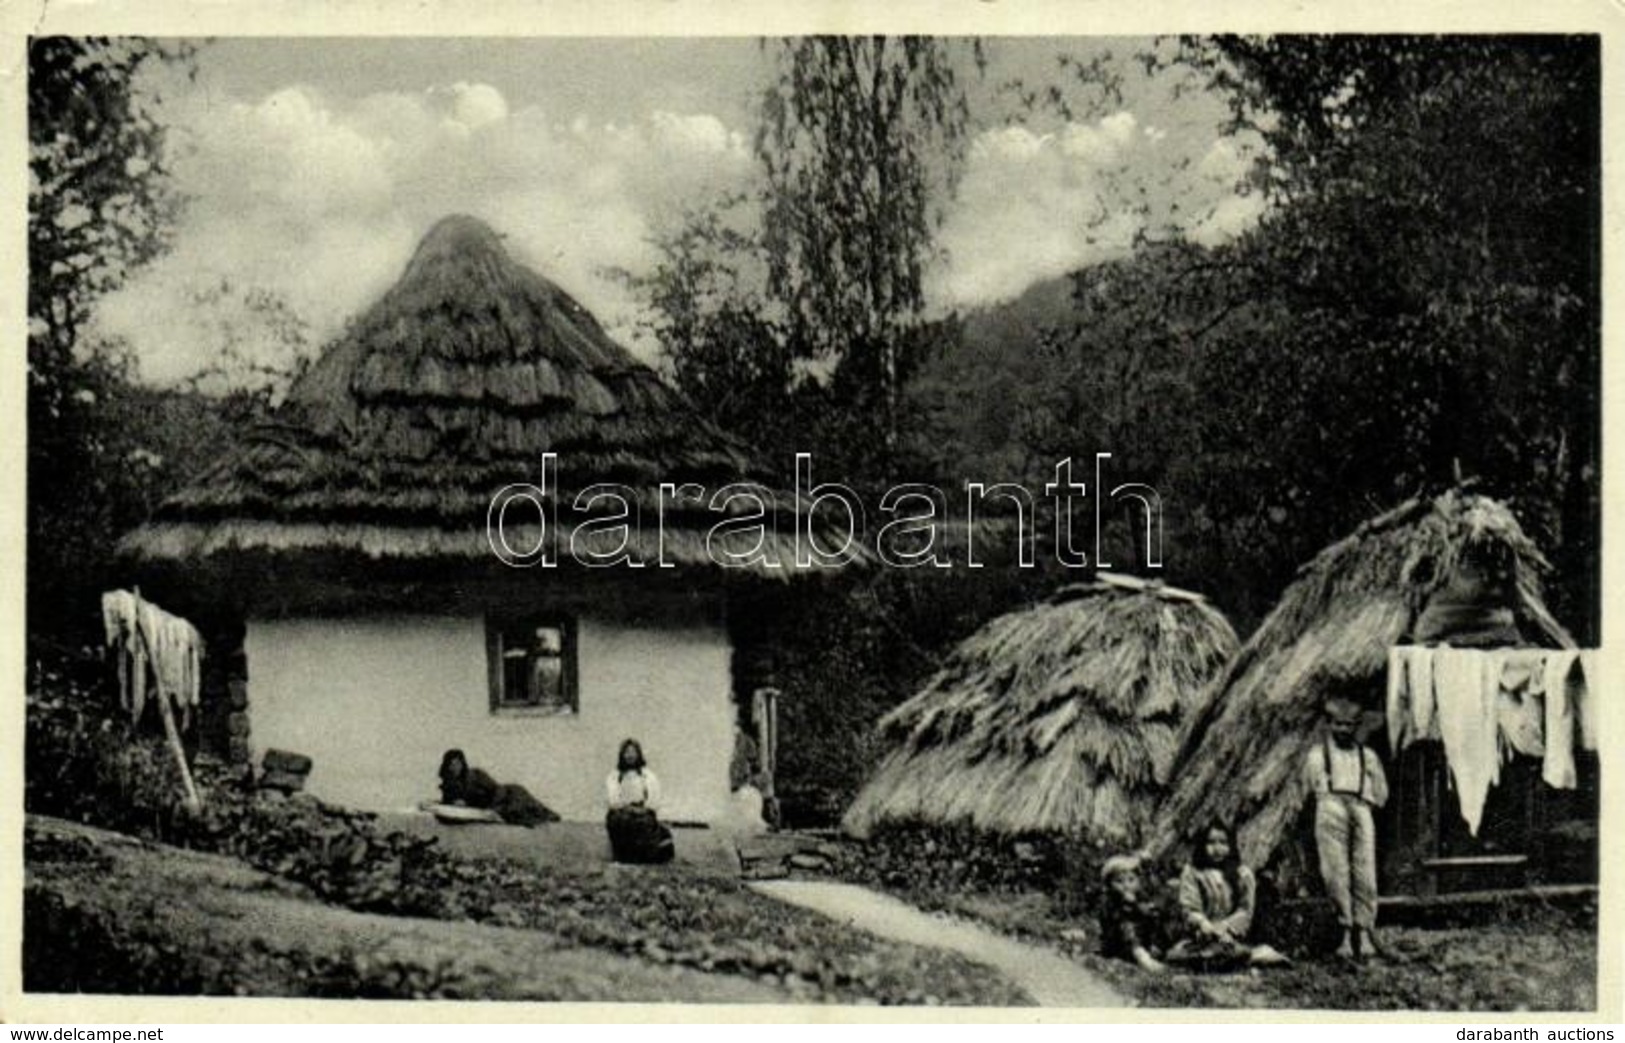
(1398, 707)
(153, 645)
(1410, 711)
(1424, 709)
(1520, 710)
(1558, 767)
(1590, 684)
(1466, 685)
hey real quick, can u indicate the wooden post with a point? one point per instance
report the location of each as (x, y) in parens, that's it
(193, 803)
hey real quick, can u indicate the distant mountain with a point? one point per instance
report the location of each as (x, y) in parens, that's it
(971, 391)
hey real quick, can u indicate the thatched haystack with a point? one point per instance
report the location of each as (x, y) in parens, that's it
(1240, 758)
(450, 387)
(1061, 717)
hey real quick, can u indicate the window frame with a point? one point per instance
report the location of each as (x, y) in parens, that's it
(498, 627)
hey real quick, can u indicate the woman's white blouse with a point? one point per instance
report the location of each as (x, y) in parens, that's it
(632, 789)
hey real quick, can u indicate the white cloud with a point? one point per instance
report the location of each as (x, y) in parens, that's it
(320, 203)
(476, 105)
(1232, 216)
(1036, 206)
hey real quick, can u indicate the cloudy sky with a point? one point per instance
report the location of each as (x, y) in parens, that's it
(313, 166)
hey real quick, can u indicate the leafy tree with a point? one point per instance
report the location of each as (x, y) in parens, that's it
(1418, 303)
(859, 142)
(99, 206)
(794, 314)
(1435, 243)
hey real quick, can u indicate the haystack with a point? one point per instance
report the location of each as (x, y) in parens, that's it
(450, 387)
(1329, 636)
(1059, 717)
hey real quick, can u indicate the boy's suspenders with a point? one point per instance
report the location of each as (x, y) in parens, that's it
(1326, 759)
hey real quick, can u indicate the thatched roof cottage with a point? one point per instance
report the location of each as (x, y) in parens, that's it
(345, 548)
(1060, 717)
(1389, 583)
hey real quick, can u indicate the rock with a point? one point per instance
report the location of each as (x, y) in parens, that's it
(285, 762)
(806, 860)
(286, 782)
(238, 750)
(237, 693)
(1075, 935)
(765, 871)
(237, 725)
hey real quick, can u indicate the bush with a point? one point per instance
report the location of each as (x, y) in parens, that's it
(111, 778)
(949, 858)
(88, 763)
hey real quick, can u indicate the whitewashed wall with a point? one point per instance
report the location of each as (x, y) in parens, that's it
(376, 700)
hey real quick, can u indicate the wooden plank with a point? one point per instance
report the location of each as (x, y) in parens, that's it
(1472, 861)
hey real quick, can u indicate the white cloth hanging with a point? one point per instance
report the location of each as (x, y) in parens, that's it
(1466, 684)
(1557, 767)
(1590, 671)
(150, 641)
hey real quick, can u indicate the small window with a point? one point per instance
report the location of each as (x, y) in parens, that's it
(532, 665)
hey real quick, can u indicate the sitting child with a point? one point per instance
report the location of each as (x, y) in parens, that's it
(1127, 922)
(1217, 896)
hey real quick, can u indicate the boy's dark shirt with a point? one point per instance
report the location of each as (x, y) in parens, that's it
(1125, 926)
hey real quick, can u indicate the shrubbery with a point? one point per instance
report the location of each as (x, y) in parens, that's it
(930, 857)
(104, 774)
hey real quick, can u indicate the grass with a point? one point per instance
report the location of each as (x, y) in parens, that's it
(1542, 960)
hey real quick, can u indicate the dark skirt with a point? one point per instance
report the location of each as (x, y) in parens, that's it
(513, 803)
(636, 836)
(518, 806)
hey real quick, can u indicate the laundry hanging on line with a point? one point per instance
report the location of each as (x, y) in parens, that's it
(157, 653)
(1483, 705)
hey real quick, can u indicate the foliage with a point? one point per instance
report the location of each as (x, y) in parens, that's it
(1448, 323)
(859, 141)
(1419, 299)
(948, 858)
(796, 311)
(88, 764)
(98, 196)
(847, 655)
(99, 206)
(712, 924)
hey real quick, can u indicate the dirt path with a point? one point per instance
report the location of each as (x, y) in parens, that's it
(1049, 978)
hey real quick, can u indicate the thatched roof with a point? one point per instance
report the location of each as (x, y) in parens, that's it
(1058, 717)
(1330, 635)
(451, 386)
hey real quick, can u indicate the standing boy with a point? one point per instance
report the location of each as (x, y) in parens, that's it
(1347, 782)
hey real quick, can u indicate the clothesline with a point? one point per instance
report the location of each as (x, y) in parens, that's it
(146, 639)
(152, 645)
(1484, 704)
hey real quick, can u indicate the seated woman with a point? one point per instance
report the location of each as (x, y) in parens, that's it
(468, 787)
(635, 833)
(1217, 895)
(1127, 920)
